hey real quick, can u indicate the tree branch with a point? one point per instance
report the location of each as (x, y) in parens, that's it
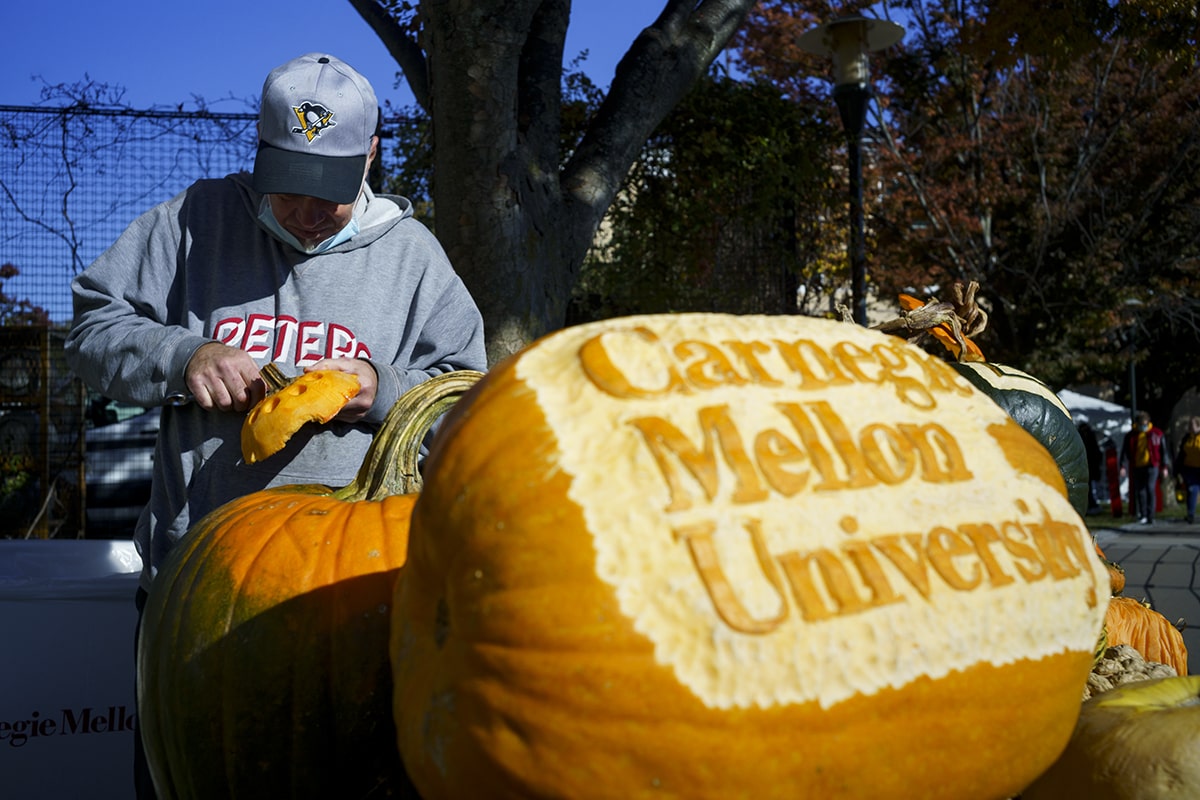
(660, 66)
(402, 47)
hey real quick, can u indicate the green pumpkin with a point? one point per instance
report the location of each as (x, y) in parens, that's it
(1038, 410)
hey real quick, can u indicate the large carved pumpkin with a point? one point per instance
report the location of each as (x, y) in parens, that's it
(706, 556)
(262, 661)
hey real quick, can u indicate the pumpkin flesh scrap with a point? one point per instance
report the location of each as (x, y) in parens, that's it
(315, 396)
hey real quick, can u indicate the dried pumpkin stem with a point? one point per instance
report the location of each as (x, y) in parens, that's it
(390, 466)
(952, 323)
(273, 377)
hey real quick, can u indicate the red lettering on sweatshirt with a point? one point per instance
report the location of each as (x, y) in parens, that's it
(284, 338)
(257, 340)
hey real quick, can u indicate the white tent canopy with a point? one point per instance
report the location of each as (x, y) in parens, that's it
(1108, 420)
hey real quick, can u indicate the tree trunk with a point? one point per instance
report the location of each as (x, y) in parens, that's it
(516, 217)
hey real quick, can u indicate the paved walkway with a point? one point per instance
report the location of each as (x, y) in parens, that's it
(1162, 567)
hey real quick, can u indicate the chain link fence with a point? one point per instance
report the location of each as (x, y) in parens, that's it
(73, 464)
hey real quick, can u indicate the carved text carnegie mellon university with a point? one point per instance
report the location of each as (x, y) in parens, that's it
(806, 446)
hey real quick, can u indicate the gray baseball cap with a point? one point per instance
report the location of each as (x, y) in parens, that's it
(314, 129)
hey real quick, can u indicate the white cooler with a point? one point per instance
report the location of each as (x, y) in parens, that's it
(67, 704)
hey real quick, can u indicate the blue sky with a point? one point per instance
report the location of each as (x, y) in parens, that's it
(165, 52)
(162, 52)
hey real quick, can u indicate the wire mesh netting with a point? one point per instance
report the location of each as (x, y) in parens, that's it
(74, 464)
(74, 178)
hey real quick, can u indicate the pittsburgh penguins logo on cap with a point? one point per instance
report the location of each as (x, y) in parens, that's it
(314, 119)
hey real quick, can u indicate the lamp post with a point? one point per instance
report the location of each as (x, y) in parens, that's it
(1133, 373)
(1133, 304)
(849, 40)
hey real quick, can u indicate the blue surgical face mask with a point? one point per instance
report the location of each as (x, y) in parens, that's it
(267, 217)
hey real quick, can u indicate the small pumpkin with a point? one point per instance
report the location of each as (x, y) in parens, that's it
(262, 660)
(709, 556)
(1116, 573)
(1136, 624)
(1140, 740)
(315, 396)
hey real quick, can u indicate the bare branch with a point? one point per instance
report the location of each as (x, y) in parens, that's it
(402, 47)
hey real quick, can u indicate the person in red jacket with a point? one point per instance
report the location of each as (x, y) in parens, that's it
(1144, 454)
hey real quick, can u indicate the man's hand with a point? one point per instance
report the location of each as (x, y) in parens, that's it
(224, 378)
(368, 382)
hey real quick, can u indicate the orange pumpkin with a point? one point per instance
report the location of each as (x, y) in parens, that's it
(1136, 624)
(1116, 573)
(262, 661)
(705, 556)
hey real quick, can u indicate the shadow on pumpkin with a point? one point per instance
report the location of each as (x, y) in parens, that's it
(295, 701)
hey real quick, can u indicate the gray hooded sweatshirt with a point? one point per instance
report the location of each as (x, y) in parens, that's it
(200, 267)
